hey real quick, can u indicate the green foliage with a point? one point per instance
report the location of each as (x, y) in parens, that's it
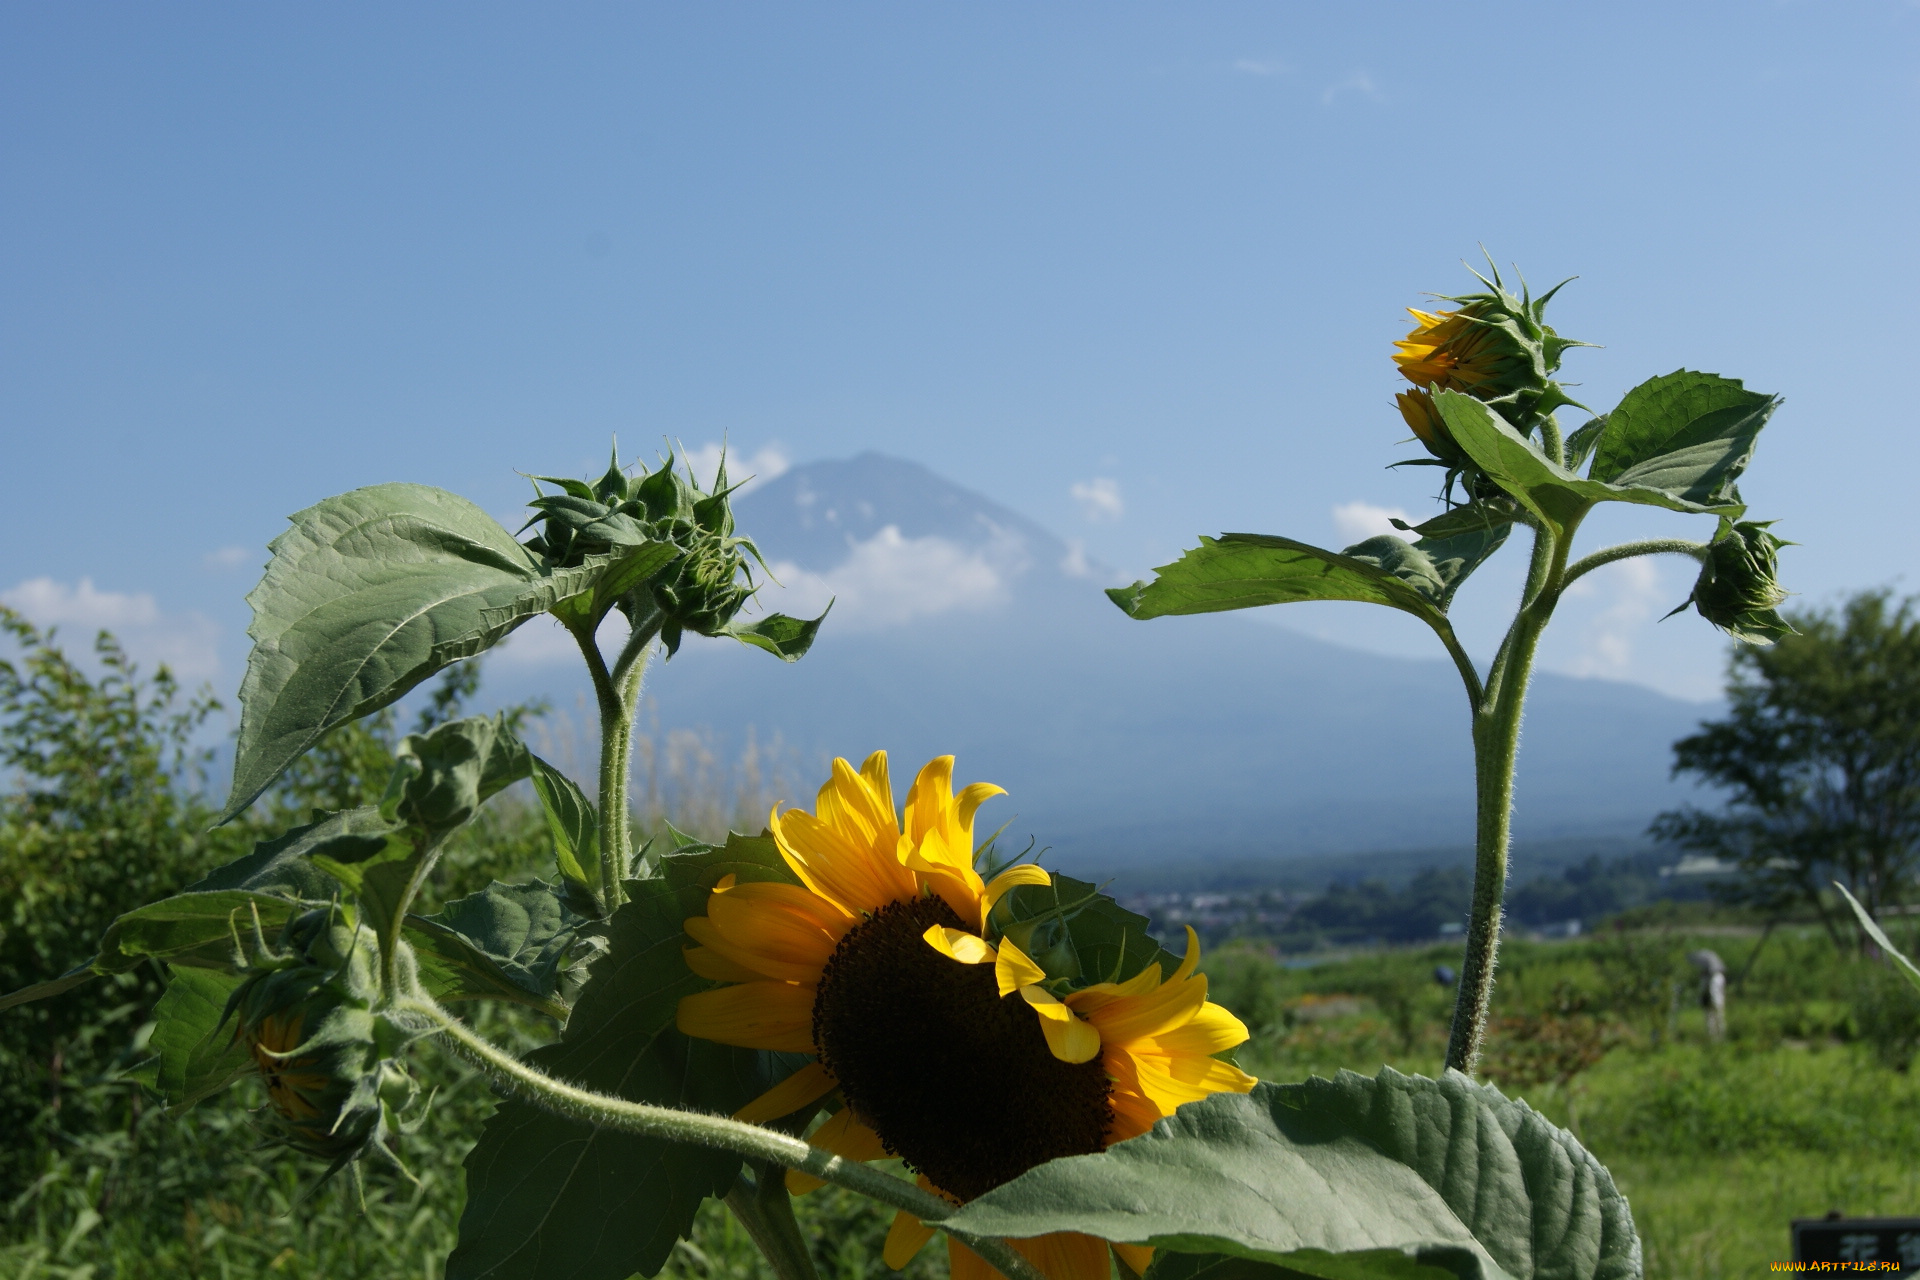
(1688, 433)
(100, 816)
(1819, 757)
(368, 594)
(545, 1191)
(1444, 1171)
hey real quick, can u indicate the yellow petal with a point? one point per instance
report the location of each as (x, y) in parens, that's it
(784, 968)
(1172, 1082)
(958, 944)
(874, 772)
(1025, 873)
(971, 797)
(964, 1264)
(1013, 970)
(1211, 1029)
(1135, 1257)
(906, 1237)
(752, 1015)
(1068, 1038)
(1162, 1009)
(1067, 1255)
(810, 1083)
(930, 799)
(845, 1136)
(1192, 960)
(709, 963)
(780, 929)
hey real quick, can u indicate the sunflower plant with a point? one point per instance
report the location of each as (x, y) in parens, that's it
(864, 993)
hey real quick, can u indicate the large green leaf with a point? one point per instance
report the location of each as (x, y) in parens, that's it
(284, 865)
(1446, 1172)
(1245, 570)
(1552, 493)
(368, 594)
(1687, 433)
(548, 1197)
(508, 941)
(199, 1055)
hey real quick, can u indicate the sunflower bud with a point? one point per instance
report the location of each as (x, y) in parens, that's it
(1495, 347)
(328, 1059)
(1423, 416)
(1736, 590)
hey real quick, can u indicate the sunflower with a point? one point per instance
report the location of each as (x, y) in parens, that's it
(292, 1084)
(946, 1044)
(1463, 351)
(1421, 414)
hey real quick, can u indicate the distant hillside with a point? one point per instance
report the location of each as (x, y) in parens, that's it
(1207, 743)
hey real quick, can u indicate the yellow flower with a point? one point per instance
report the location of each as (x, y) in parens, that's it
(948, 1048)
(1423, 416)
(294, 1089)
(1462, 351)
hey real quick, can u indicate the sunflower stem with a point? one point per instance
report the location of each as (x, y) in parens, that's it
(670, 1125)
(1628, 550)
(765, 1209)
(1496, 746)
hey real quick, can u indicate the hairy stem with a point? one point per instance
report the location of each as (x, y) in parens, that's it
(1628, 550)
(765, 1209)
(389, 930)
(1496, 746)
(748, 1140)
(616, 692)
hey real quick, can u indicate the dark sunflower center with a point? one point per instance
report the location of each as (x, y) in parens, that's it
(956, 1080)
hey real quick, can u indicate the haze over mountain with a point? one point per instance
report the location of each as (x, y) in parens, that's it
(963, 627)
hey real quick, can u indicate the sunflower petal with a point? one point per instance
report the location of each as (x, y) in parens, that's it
(1067, 1255)
(1169, 1083)
(971, 797)
(1069, 1039)
(845, 1136)
(1134, 1257)
(1014, 970)
(809, 1084)
(752, 1015)
(1167, 1006)
(1212, 1029)
(1192, 959)
(709, 963)
(906, 1237)
(958, 944)
(1012, 877)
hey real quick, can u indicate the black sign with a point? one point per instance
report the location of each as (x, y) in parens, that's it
(1863, 1240)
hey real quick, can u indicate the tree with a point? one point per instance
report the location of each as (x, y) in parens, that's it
(1820, 758)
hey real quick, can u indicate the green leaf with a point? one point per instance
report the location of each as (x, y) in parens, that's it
(548, 1196)
(1553, 494)
(1580, 444)
(787, 639)
(199, 1055)
(1687, 433)
(368, 594)
(1471, 517)
(192, 930)
(518, 934)
(1880, 939)
(284, 865)
(1455, 556)
(1441, 1171)
(442, 777)
(575, 828)
(1310, 1264)
(1074, 931)
(1245, 570)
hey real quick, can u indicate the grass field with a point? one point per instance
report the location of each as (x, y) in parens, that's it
(1806, 1107)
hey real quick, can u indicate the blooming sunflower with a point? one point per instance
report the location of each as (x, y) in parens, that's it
(947, 1045)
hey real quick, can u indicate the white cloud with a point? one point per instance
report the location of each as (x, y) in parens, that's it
(1099, 498)
(762, 465)
(1358, 521)
(1076, 564)
(1633, 597)
(1260, 66)
(889, 579)
(187, 643)
(229, 557)
(1358, 83)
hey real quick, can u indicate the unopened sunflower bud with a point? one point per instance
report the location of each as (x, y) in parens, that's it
(1736, 590)
(1423, 416)
(328, 1059)
(1494, 346)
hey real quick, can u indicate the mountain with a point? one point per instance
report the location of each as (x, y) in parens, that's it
(963, 627)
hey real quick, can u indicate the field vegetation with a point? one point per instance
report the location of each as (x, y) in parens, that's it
(1808, 1104)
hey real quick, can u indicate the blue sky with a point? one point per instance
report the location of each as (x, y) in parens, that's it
(1132, 269)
